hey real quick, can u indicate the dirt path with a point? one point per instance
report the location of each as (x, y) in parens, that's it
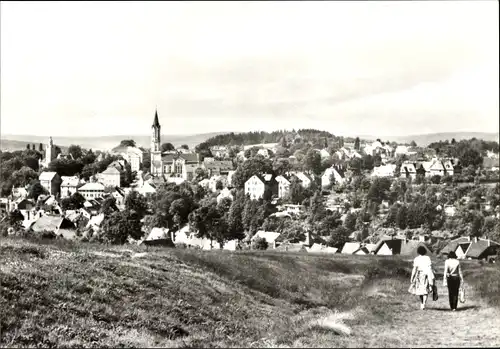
(474, 324)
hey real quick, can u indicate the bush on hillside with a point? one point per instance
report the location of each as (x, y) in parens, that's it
(260, 244)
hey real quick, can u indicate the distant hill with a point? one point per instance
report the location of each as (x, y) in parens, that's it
(13, 145)
(18, 142)
(426, 139)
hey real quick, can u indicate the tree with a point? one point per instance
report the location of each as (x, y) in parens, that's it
(470, 157)
(74, 202)
(135, 202)
(413, 144)
(127, 143)
(75, 151)
(219, 185)
(28, 146)
(36, 189)
(167, 147)
(119, 226)
(185, 146)
(339, 236)
(108, 206)
(24, 176)
(350, 222)
(260, 243)
(357, 144)
(40, 147)
(312, 162)
(402, 217)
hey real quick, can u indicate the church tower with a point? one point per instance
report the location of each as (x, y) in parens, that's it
(50, 152)
(156, 165)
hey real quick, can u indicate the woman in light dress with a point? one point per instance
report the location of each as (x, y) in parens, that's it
(452, 277)
(422, 276)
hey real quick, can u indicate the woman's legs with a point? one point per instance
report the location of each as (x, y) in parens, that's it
(453, 287)
(424, 300)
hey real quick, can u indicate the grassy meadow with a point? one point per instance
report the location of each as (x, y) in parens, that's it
(89, 295)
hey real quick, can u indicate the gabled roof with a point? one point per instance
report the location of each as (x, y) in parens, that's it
(25, 204)
(47, 176)
(92, 186)
(452, 245)
(70, 181)
(350, 247)
(477, 248)
(51, 223)
(111, 170)
(410, 248)
(188, 158)
(394, 244)
(269, 236)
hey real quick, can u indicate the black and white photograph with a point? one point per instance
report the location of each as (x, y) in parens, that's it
(249, 174)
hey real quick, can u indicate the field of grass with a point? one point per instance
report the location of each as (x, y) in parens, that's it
(65, 294)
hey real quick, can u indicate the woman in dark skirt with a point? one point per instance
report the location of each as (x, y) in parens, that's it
(452, 277)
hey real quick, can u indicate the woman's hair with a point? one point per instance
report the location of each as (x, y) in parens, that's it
(452, 255)
(421, 250)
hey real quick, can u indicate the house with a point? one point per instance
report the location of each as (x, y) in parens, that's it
(448, 167)
(230, 178)
(69, 185)
(146, 188)
(91, 190)
(180, 165)
(51, 181)
(269, 236)
(435, 168)
(335, 172)
(350, 247)
(256, 186)
(491, 164)
(119, 195)
(218, 167)
(232, 245)
(95, 222)
(409, 248)
(133, 156)
(471, 248)
(225, 193)
(109, 177)
(364, 249)
(283, 186)
(19, 193)
(215, 180)
(291, 208)
(266, 153)
(290, 247)
(388, 247)
(305, 179)
(384, 170)
(52, 223)
(158, 237)
(219, 151)
(324, 154)
(26, 208)
(401, 150)
(408, 170)
(320, 248)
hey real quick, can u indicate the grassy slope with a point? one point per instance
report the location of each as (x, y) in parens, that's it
(91, 295)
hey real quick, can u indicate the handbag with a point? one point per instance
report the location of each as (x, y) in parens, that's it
(435, 295)
(461, 293)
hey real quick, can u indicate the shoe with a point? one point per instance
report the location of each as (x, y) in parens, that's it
(422, 307)
(453, 309)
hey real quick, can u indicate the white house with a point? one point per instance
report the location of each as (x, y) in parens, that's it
(109, 177)
(401, 150)
(269, 236)
(305, 179)
(408, 170)
(92, 190)
(336, 172)
(256, 185)
(324, 154)
(384, 170)
(225, 193)
(69, 185)
(51, 181)
(283, 186)
(146, 188)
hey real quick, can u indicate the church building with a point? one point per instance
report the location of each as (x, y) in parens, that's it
(50, 154)
(170, 165)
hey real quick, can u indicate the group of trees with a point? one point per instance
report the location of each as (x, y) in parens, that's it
(18, 168)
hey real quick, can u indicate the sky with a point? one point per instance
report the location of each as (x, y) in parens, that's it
(351, 68)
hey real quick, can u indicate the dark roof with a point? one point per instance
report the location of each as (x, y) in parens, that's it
(23, 205)
(51, 223)
(410, 248)
(480, 248)
(452, 246)
(156, 123)
(193, 158)
(219, 164)
(393, 244)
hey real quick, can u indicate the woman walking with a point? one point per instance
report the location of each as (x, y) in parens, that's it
(422, 276)
(452, 277)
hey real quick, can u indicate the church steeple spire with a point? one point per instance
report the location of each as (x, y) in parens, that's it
(156, 123)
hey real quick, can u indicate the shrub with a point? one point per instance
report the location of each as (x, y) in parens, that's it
(260, 244)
